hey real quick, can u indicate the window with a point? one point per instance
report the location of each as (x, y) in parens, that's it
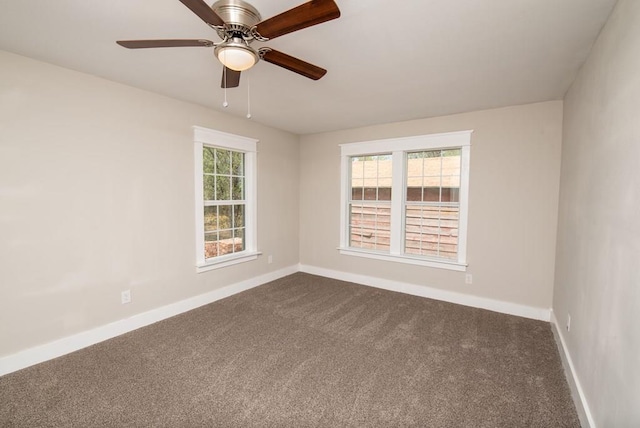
(370, 203)
(432, 203)
(406, 199)
(225, 198)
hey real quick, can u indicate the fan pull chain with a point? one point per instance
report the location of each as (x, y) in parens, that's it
(225, 104)
(248, 97)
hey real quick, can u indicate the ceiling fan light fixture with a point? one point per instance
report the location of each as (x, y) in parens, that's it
(236, 55)
(238, 24)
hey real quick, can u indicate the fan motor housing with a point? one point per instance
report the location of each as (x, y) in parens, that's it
(238, 15)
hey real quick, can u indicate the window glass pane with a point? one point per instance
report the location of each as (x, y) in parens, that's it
(384, 193)
(237, 190)
(451, 181)
(223, 161)
(451, 153)
(208, 160)
(224, 217)
(210, 219)
(450, 170)
(414, 193)
(238, 235)
(223, 185)
(209, 187)
(384, 182)
(431, 194)
(357, 168)
(237, 163)
(451, 194)
(370, 193)
(225, 244)
(238, 216)
(384, 166)
(210, 245)
(371, 171)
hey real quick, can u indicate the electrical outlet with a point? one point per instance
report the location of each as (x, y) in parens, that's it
(468, 279)
(270, 259)
(568, 322)
(125, 296)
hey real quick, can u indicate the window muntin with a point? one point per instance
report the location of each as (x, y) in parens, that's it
(424, 211)
(225, 167)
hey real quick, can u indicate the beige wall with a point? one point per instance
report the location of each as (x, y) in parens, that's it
(515, 169)
(96, 196)
(598, 275)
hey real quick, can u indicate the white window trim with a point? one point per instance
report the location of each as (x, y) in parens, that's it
(398, 147)
(209, 137)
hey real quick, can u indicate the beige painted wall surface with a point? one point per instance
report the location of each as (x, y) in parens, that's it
(598, 275)
(515, 169)
(97, 196)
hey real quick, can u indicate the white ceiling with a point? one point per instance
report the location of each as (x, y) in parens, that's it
(388, 60)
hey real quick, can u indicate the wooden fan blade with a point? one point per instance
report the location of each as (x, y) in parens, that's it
(230, 78)
(307, 14)
(294, 64)
(141, 44)
(205, 13)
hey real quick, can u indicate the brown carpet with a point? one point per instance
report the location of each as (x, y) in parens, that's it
(305, 351)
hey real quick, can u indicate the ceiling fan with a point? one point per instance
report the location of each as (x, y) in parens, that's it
(239, 24)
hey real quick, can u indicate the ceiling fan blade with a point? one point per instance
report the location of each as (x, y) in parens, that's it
(307, 14)
(294, 64)
(205, 13)
(141, 44)
(230, 78)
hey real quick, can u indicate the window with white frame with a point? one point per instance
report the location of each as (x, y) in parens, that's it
(405, 199)
(225, 178)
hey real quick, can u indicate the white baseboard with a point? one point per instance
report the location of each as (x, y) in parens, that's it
(48, 351)
(541, 314)
(582, 406)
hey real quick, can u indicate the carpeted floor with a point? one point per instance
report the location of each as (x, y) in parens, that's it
(305, 351)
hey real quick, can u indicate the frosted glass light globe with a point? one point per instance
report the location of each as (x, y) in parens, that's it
(237, 58)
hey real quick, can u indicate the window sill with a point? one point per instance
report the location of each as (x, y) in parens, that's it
(229, 260)
(440, 264)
